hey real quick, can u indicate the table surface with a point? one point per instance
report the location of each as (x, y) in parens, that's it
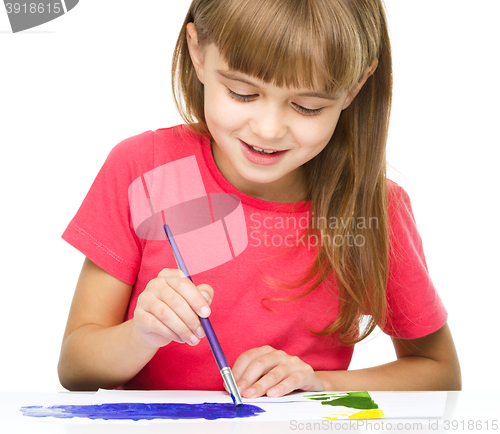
(465, 412)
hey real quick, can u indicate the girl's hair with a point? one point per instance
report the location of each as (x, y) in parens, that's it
(325, 44)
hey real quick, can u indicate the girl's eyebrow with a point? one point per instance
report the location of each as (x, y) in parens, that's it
(232, 76)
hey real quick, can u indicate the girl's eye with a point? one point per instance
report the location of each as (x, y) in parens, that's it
(239, 97)
(300, 109)
(306, 111)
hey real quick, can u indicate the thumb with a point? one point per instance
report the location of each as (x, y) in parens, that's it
(207, 292)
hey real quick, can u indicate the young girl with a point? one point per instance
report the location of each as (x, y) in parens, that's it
(276, 192)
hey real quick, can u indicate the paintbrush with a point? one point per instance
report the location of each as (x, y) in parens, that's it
(219, 356)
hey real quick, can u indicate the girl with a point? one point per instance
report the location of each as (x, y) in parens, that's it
(287, 107)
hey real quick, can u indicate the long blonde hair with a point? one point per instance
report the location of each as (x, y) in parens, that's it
(311, 43)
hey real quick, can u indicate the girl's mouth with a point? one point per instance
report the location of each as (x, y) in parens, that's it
(261, 156)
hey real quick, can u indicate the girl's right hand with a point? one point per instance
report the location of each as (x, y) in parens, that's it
(169, 308)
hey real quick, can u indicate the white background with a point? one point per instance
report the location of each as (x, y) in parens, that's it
(73, 88)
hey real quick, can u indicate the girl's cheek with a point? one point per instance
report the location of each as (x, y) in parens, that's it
(311, 136)
(217, 104)
(226, 114)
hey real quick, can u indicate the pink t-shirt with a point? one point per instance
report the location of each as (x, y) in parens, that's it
(231, 241)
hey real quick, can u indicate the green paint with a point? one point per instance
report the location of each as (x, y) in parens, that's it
(357, 400)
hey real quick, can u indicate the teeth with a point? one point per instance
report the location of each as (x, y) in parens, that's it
(263, 150)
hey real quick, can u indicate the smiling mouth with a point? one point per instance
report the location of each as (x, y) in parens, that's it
(261, 150)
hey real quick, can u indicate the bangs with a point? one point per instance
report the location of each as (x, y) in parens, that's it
(313, 44)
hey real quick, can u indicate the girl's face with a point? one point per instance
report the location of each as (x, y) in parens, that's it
(242, 112)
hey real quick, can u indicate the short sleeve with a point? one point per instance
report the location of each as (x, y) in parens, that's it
(102, 229)
(414, 306)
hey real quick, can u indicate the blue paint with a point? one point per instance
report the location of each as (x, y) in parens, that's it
(138, 411)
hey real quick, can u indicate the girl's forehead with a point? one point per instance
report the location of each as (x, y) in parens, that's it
(223, 70)
(317, 44)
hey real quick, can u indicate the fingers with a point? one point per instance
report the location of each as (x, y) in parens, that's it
(302, 378)
(154, 330)
(266, 371)
(184, 292)
(242, 363)
(169, 309)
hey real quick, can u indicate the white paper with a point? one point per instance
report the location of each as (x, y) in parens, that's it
(294, 407)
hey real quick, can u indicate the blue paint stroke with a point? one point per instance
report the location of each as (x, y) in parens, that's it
(138, 411)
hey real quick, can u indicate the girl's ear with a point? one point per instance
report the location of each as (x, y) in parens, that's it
(355, 90)
(195, 51)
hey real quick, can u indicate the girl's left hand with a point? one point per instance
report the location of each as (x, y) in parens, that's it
(266, 371)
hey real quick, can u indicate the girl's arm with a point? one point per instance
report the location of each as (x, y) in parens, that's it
(428, 363)
(100, 350)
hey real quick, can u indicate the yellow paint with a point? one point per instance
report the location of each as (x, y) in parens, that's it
(367, 414)
(336, 414)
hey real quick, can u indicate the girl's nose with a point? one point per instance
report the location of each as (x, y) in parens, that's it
(269, 124)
